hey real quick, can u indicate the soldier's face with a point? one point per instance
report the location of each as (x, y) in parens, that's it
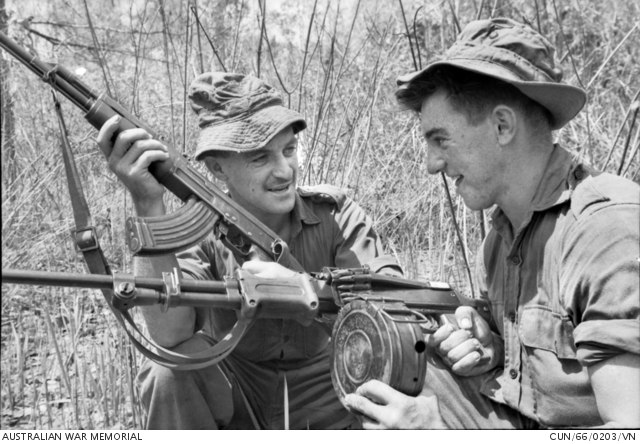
(263, 181)
(467, 153)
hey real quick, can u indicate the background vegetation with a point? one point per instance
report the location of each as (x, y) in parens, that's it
(65, 363)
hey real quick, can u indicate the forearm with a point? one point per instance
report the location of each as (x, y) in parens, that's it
(616, 385)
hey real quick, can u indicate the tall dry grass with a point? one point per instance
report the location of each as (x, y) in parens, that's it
(65, 363)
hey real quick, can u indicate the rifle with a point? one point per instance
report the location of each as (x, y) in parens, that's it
(378, 321)
(206, 206)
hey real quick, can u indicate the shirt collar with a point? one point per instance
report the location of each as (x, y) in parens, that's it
(302, 213)
(555, 186)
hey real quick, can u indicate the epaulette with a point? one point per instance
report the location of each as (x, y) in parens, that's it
(598, 189)
(324, 193)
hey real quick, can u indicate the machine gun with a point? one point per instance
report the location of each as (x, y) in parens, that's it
(379, 321)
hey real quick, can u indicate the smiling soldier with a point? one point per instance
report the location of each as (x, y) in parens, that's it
(248, 140)
(559, 266)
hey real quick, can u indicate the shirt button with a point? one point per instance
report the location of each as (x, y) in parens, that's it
(513, 373)
(512, 316)
(515, 260)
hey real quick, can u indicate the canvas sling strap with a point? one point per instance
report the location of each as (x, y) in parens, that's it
(86, 239)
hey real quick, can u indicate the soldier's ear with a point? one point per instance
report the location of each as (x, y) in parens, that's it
(215, 166)
(505, 123)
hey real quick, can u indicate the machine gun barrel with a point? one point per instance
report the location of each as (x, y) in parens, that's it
(295, 297)
(99, 281)
(133, 290)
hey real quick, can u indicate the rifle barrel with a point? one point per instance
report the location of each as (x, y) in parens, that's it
(55, 75)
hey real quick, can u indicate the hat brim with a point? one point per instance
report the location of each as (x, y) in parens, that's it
(249, 133)
(562, 101)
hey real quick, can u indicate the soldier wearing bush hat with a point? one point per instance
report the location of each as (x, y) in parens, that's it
(513, 53)
(248, 140)
(559, 265)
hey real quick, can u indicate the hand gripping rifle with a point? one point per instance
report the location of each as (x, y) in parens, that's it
(206, 207)
(379, 322)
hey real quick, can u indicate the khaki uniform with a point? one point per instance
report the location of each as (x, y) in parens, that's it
(564, 293)
(328, 230)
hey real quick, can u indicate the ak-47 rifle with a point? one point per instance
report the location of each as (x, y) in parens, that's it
(206, 207)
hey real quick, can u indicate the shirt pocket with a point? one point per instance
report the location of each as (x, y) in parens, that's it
(544, 329)
(560, 385)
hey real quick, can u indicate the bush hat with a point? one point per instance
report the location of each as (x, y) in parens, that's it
(516, 54)
(238, 113)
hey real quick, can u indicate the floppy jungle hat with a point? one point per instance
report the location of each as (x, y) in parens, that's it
(516, 54)
(238, 113)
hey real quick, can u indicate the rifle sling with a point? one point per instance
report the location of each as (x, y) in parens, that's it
(85, 237)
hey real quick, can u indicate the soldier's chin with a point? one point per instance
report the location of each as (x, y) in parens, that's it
(475, 204)
(283, 204)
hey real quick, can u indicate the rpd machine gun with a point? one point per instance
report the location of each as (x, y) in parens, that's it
(378, 321)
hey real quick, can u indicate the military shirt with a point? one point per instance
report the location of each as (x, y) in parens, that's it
(564, 291)
(328, 230)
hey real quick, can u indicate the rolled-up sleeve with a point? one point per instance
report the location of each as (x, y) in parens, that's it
(195, 263)
(603, 282)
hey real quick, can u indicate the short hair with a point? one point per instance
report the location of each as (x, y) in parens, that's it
(473, 95)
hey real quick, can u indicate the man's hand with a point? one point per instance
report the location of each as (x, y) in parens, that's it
(471, 349)
(129, 158)
(267, 270)
(382, 407)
